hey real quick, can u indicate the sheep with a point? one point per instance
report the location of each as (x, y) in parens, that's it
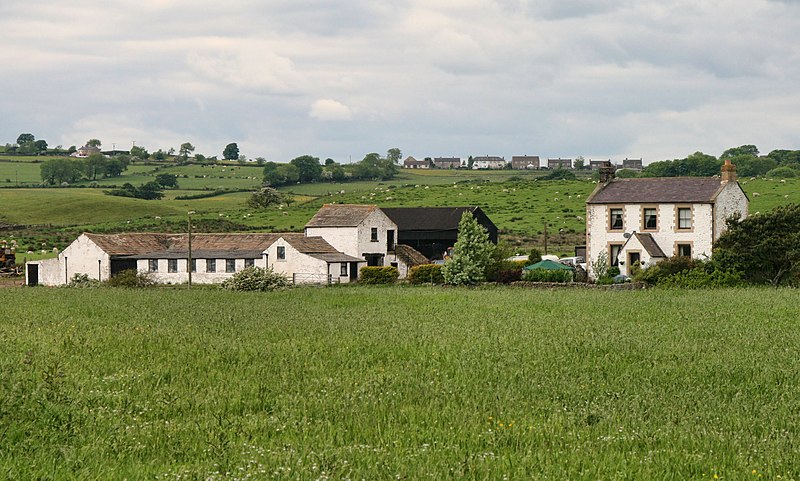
(756, 194)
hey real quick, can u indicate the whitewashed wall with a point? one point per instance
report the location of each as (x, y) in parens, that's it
(308, 269)
(730, 200)
(163, 276)
(343, 239)
(365, 246)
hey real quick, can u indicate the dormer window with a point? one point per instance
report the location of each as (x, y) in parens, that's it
(615, 219)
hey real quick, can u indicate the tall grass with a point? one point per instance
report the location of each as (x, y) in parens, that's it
(415, 383)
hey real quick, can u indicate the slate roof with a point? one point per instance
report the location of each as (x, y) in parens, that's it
(318, 248)
(129, 244)
(657, 190)
(341, 215)
(426, 218)
(649, 244)
(410, 256)
(177, 245)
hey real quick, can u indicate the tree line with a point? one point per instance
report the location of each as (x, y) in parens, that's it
(67, 170)
(778, 163)
(308, 169)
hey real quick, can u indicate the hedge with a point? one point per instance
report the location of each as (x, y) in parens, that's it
(426, 274)
(378, 275)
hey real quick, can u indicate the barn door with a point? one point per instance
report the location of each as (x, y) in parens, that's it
(33, 274)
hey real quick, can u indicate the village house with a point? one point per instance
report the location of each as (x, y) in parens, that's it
(645, 220)
(596, 164)
(412, 163)
(559, 163)
(525, 162)
(488, 162)
(633, 164)
(86, 151)
(447, 162)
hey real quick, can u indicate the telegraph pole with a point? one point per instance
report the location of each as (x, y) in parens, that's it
(189, 260)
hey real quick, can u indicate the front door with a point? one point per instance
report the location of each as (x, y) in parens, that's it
(633, 258)
(33, 274)
(353, 271)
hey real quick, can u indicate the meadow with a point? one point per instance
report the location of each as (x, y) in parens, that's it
(399, 382)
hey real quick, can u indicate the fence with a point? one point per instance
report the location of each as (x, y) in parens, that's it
(307, 278)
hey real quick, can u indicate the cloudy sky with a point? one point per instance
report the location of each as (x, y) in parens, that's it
(603, 79)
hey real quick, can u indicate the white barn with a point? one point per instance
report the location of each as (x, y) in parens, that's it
(645, 220)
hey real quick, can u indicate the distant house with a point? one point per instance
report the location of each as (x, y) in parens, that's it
(633, 164)
(559, 163)
(432, 230)
(447, 162)
(488, 162)
(412, 163)
(596, 164)
(86, 151)
(525, 162)
(644, 220)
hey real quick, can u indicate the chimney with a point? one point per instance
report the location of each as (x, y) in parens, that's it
(728, 172)
(607, 172)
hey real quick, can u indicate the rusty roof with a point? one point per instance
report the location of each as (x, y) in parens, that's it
(657, 190)
(341, 215)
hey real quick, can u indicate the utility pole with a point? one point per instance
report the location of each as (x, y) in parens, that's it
(545, 238)
(189, 260)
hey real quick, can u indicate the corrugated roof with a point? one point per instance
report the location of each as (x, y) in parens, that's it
(657, 189)
(426, 218)
(410, 256)
(341, 215)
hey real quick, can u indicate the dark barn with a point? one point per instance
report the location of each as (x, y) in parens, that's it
(432, 230)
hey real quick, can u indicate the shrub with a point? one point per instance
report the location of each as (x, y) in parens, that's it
(699, 278)
(546, 275)
(83, 281)
(426, 274)
(131, 278)
(256, 279)
(782, 172)
(472, 253)
(507, 276)
(666, 268)
(378, 275)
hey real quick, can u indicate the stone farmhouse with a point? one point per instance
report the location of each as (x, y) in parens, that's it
(646, 220)
(559, 163)
(447, 162)
(412, 163)
(525, 162)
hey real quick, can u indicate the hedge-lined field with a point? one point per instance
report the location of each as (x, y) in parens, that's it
(408, 383)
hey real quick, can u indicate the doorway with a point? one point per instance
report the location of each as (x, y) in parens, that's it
(33, 274)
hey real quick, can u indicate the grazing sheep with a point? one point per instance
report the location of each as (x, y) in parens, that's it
(756, 194)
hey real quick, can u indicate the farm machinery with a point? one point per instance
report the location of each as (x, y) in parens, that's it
(8, 264)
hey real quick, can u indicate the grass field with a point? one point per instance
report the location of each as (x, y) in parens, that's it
(400, 383)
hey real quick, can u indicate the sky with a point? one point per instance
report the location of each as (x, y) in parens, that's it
(282, 78)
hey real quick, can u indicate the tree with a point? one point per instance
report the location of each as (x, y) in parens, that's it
(742, 150)
(764, 247)
(470, 162)
(261, 161)
(579, 163)
(280, 174)
(95, 165)
(264, 198)
(186, 149)
(139, 152)
(329, 162)
(167, 180)
(471, 254)
(40, 145)
(57, 171)
(25, 139)
(117, 165)
(93, 143)
(159, 155)
(308, 168)
(231, 152)
(394, 155)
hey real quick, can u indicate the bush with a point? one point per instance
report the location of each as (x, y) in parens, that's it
(655, 274)
(507, 276)
(782, 172)
(699, 278)
(131, 278)
(83, 281)
(546, 275)
(256, 279)
(426, 274)
(378, 275)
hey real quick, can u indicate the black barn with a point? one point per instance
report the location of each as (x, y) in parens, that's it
(431, 230)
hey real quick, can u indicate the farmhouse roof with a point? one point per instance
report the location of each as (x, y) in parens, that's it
(427, 218)
(409, 255)
(128, 244)
(341, 215)
(657, 189)
(318, 248)
(177, 245)
(649, 244)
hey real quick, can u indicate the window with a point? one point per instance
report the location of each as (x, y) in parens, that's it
(281, 253)
(613, 252)
(249, 262)
(343, 269)
(650, 216)
(684, 218)
(374, 235)
(230, 265)
(152, 265)
(194, 265)
(172, 265)
(685, 250)
(615, 219)
(211, 265)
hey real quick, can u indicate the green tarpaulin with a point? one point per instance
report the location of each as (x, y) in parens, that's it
(549, 265)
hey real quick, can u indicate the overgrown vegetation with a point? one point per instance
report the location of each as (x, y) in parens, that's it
(131, 278)
(256, 279)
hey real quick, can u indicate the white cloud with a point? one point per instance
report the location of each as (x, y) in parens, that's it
(329, 109)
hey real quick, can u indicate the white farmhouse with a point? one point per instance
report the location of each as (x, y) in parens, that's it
(311, 260)
(646, 220)
(362, 231)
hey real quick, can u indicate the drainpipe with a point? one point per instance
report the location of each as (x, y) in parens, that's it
(99, 270)
(66, 271)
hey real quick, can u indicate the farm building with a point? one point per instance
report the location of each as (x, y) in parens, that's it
(432, 230)
(644, 220)
(559, 163)
(525, 162)
(412, 163)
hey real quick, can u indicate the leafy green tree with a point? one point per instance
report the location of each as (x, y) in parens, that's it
(25, 139)
(394, 155)
(579, 163)
(261, 161)
(472, 253)
(167, 180)
(95, 165)
(231, 152)
(751, 150)
(116, 166)
(264, 198)
(280, 174)
(199, 157)
(764, 247)
(186, 149)
(139, 152)
(94, 143)
(57, 171)
(159, 155)
(329, 162)
(40, 145)
(308, 167)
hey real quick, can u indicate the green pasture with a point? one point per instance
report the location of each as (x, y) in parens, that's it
(399, 383)
(13, 172)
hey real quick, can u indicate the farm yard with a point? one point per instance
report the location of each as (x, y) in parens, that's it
(407, 383)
